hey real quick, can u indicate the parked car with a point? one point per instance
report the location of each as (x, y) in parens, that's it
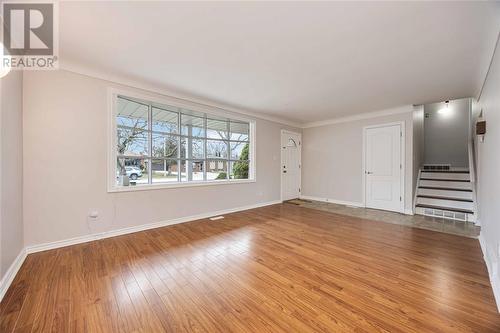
(133, 172)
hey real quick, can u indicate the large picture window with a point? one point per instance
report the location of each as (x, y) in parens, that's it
(160, 144)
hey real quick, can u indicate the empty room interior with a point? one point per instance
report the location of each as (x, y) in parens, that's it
(249, 166)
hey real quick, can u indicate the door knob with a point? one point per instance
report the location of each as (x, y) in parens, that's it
(369, 172)
(284, 171)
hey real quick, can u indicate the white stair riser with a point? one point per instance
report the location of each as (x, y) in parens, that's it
(445, 193)
(446, 184)
(445, 175)
(421, 211)
(446, 203)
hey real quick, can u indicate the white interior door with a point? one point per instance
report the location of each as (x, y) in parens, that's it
(290, 165)
(383, 168)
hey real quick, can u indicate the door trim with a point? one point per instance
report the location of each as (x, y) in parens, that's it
(402, 157)
(283, 132)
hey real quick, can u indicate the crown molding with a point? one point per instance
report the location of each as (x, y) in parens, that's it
(488, 70)
(148, 87)
(361, 116)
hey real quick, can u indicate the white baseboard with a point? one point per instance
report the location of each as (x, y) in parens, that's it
(339, 202)
(129, 230)
(492, 267)
(11, 273)
(16, 265)
(345, 203)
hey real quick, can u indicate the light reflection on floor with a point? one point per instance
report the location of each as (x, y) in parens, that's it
(230, 248)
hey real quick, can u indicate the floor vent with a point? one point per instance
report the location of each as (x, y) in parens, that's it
(215, 218)
(437, 167)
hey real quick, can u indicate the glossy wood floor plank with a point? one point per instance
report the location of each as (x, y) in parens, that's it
(281, 268)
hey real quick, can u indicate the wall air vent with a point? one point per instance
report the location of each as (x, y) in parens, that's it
(437, 167)
(445, 214)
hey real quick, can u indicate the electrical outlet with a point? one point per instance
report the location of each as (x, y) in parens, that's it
(93, 217)
(92, 221)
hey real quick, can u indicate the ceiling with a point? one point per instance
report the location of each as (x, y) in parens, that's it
(299, 61)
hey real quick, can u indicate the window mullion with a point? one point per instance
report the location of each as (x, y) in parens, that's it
(150, 144)
(179, 141)
(151, 131)
(189, 153)
(228, 149)
(205, 153)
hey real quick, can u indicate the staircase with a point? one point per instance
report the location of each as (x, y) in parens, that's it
(446, 194)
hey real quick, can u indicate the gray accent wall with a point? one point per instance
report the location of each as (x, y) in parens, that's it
(446, 133)
(332, 158)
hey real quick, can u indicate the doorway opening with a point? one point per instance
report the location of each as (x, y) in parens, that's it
(291, 147)
(383, 157)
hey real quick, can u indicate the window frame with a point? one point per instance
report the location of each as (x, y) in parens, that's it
(112, 155)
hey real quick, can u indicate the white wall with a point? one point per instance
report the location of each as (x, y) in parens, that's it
(418, 143)
(65, 128)
(332, 158)
(11, 142)
(447, 135)
(488, 173)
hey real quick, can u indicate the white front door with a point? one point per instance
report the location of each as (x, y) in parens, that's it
(290, 165)
(383, 168)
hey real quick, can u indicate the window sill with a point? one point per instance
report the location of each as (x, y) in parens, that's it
(149, 187)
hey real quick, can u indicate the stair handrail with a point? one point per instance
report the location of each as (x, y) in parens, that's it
(416, 190)
(472, 176)
(472, 169)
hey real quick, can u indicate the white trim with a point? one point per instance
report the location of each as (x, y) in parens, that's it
(118, 232)
(11, 273)
(363, 168)
(409, 212)
(252, 154)
(492, 268)
(345, 203)
(361, 116)
(149, 187)
(111, 149)
(402, 127)
(151, 98)
(136, 84)
(16, 265)
(131, 83)
(283, 132)
(335, 201)
(177, 102)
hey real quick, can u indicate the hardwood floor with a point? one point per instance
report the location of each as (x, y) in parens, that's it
(281, 268)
